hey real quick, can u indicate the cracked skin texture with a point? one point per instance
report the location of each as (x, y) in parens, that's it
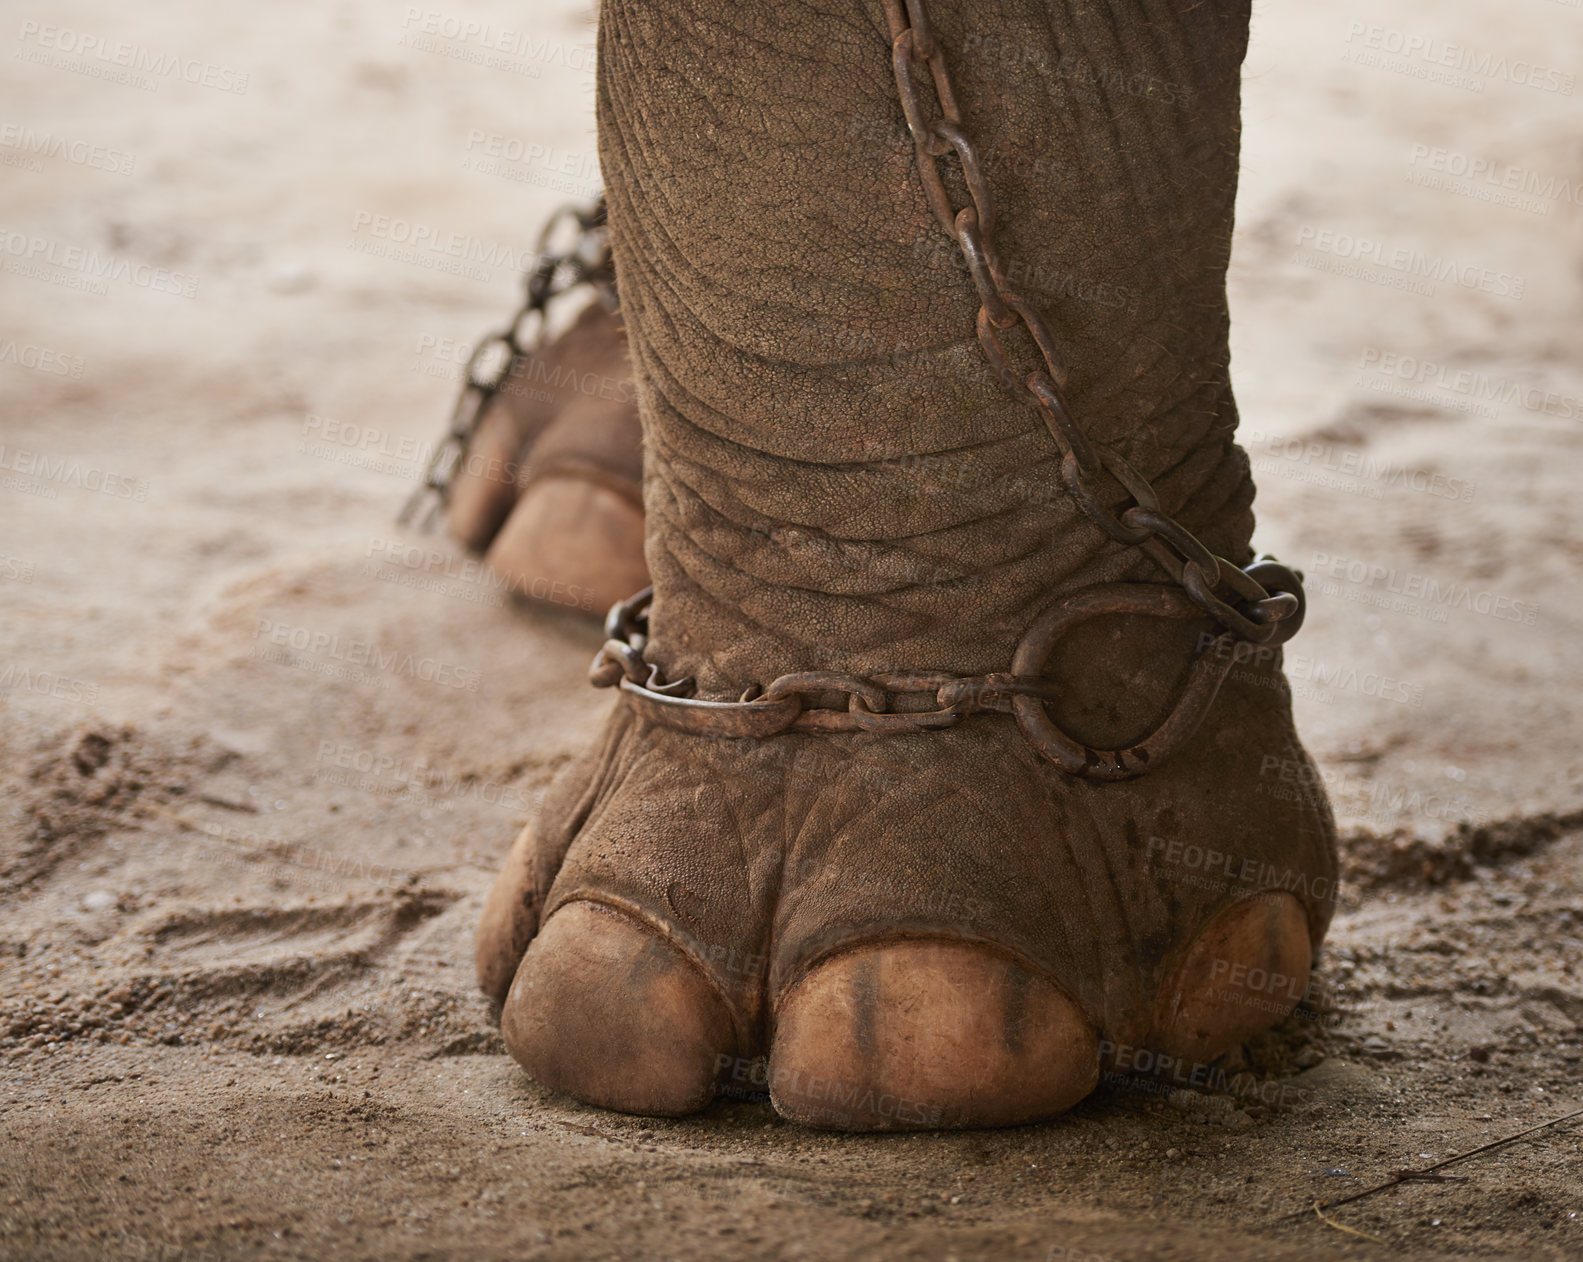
(833, 480)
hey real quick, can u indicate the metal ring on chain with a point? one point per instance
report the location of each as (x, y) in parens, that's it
(1208, 672)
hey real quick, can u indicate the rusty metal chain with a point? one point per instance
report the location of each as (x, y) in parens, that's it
(812, 701)
(501, 355)
(1253, 612)
(1261, 604)
(792, 702)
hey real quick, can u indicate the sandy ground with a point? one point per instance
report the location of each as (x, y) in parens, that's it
(239, 879)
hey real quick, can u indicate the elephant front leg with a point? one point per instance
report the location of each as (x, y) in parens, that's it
(940, 928)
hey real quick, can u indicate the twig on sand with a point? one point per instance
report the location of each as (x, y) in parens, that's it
(1427, 1174)
(1343, 1227)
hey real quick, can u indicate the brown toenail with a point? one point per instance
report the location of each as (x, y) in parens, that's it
(482, 493)
(1243, 973)
(573, 543)
(607, 1011)
(924, 1034)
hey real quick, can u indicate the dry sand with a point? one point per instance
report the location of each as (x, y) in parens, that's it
(237, 1015)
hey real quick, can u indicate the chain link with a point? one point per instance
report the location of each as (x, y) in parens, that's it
(503, 354)
(1257, 614)
(805, 701)
(887, 703)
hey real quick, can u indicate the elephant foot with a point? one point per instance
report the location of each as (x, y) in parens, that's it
(918, 928)
(934, 930)
(548, 488)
